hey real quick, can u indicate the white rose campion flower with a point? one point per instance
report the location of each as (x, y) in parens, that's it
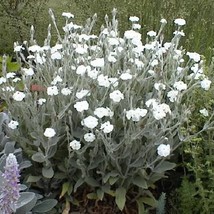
(126, 76)
(13, 124)
(81, 106)
(103, 81)
(204, 112)
(205, 84)
(90, 122)
(107, 127)
(159, 86)
(98, 63)
(163, 150)
(41, 101)
(151, 33)
(89, 137)
(194, 56)
(136, 114)
(116, 96)
(172, 95)
(93, 73)
(133, 19)
(101, 112)
(75, 145)
(49, 132)
(66, 91)
(18, 96)
(3, 80)
(10, 75)
(81, 70)
(160, 111)
(180, 22)
(82, 93)
(28, 71)
(56, 80)
(180, 85)
(52, 90)
(68, 15)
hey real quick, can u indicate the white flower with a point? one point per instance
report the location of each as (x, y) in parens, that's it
(98, 63)
(52, 90)
(68, 15)
(34, 48)
(90, 122)
(28, 71)
(126, 76)
(151, 102)
(89, 137)
(17, 79)
(205, 84)
(136, 114)
(18, 96)
(81, 106)
(56, 80)
(101, 112)
(159, 86)
(180, 22)
(113, 41)
(81, 50)
(136, 26)
(112, 59)
(154, 62)
(172, 95)
(103, 81)
(163, 21)
(56, 55)
(10, 75)
(163, 150)
(75, 145)
(92, 73)
(160, 111)
(41, 101)
(81, 70)
(18, 48)
(133, 19)
(204, 112)
(194, 56)
(13, 124)
(107, 127)
(179, 33)
(82, 93)
(116, 96)
(49, 132)
(151, 33)
(180, 85)
(66, 91)
(131, 34)
(2, 80)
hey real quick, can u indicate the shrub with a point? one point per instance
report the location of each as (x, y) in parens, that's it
(103, 111)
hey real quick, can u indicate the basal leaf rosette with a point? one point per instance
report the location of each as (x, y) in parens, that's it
(112, 108)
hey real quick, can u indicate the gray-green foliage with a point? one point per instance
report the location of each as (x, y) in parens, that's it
(28, 201)
(161, 204)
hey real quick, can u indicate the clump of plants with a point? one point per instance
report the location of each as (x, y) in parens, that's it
(197, 183)
(100, 116)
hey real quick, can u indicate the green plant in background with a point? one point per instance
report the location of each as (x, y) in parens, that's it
(196, 195)
(111, 113)
(11, 65)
